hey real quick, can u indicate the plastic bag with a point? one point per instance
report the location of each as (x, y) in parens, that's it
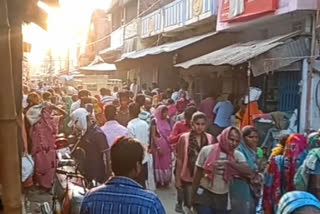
(255, 94)
(27, 167)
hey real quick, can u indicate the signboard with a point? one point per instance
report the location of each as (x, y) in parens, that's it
(243, 10)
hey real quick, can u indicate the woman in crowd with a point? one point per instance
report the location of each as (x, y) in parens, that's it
(178, 129)
(298, 202)
(279, 149)
(307, 177)
(42, 130)
(188, 148)
(160, 131)
(244, 200)
(216, 166)
(279, 176)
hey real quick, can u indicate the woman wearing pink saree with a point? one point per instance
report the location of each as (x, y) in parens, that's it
(160, 132)
(43, 130)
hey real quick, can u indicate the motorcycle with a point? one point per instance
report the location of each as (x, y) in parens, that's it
(70, 186)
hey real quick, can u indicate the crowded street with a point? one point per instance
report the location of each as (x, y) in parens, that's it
(159, 107)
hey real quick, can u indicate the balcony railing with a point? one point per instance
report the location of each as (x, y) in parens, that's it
(197, 10)
(175, 15)
(152, 24)
(131, 30)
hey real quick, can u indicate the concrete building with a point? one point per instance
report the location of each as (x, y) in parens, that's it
(275, 44)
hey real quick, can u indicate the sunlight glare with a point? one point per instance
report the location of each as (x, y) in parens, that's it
(67, 26)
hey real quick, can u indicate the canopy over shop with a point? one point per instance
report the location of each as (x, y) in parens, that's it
(155, 64)
(280, 53)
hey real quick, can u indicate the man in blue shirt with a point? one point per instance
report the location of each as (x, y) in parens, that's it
(223, 111)
(122, 194)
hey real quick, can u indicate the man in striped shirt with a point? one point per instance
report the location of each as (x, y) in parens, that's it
(106, 97)
(122, 194)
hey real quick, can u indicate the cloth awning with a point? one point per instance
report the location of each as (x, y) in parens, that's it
(98, 65)
(165, 48)
(101, 67)
(242, 52)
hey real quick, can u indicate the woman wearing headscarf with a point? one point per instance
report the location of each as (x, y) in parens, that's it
(307, 177)
(42, 131)
(160, 132)
(279, 176)
(298, 202)
(216, 167)
(245, 192)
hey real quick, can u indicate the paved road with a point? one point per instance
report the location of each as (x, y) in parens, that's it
(168, 197)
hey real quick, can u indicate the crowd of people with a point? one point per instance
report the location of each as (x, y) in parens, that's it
(139, 140)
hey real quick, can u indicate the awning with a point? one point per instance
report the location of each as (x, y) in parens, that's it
(101, 67)
(98, 65)
(165, 48)
(241, 52)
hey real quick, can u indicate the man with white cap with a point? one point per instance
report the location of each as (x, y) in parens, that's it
(94, 142)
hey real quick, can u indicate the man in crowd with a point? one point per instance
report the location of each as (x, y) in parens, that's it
(148, 106)
(94, 142)
(144, 115)
(134, 87)
(90, 103)
(206, 106)
(106, 97)
(115, 92)
(82, 94)
(175, 94)
(223, 112)
(139, 129)
(182, 126)
(123, 116)
(112, 129)
(122, 194)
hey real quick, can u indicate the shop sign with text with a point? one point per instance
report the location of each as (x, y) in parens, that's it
(244, 10)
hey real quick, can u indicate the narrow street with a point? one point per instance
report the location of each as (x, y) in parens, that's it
(168, 197)
(101, 100)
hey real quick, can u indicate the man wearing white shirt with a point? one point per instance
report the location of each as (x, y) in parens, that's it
(139, 130)
(134, 87)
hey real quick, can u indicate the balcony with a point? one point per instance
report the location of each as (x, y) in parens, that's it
(199, 10)
(176, 15)
(151, 24)
(173, 14)
(131, 30)
(117, 38)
